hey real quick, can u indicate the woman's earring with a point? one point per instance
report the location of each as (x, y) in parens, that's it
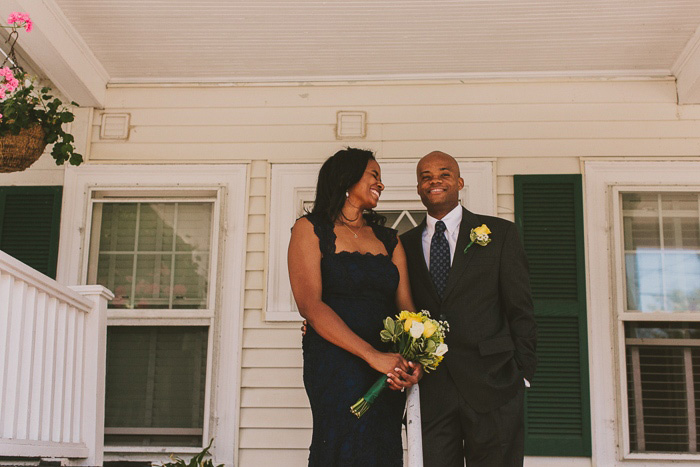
(347, 195)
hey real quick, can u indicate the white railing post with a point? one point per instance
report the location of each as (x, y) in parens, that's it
(414, 434)
(95, 362)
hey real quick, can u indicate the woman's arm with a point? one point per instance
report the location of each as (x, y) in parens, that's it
(304, 262)
(404, 299)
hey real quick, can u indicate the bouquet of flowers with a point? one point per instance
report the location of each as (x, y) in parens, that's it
(415, 336)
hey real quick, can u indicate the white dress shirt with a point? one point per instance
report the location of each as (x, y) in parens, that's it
(452, 221)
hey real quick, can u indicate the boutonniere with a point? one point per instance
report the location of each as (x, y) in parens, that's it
(480, 236)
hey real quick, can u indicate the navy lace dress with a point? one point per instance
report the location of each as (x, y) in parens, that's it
(361, 289)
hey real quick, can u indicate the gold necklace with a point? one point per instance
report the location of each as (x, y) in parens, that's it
(353, 232)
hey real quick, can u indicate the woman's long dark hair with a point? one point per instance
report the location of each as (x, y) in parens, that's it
(337, 175)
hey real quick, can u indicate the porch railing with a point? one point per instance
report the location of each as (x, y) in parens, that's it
(52, 366)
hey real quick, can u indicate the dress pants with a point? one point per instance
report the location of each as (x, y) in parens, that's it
(454, 433)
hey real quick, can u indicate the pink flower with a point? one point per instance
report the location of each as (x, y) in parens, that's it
(2, 93)
(0, 116)
(11, 82)
(11, 85)
(21, 19)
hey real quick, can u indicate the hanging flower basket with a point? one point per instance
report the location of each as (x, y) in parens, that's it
(30, 116)
(17, 152)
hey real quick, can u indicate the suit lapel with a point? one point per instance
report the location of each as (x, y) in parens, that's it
(461, 259)
(416, 244)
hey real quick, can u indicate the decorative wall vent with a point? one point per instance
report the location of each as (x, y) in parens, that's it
(351, 125)
(115, 126)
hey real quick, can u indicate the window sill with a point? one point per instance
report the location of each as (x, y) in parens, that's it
(665, 456)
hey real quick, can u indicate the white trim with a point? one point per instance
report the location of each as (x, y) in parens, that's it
(293, 184)
(32, 277)
(687, 71)
(23, 448)
(422, 78)
(61, 53)
(231, 181)
(607, 405)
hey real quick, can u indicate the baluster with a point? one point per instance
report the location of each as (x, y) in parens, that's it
(6, 283)
(70, 383)
(25, 370)
(12, 360)
(77, 429)
(59, 387)
(49, 370)
(35, 412)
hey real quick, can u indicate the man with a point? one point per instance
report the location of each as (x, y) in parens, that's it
(472, 405)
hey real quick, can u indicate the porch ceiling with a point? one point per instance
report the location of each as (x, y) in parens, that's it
(165, 41)
(283, 40)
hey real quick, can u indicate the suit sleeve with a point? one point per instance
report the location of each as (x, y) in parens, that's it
(516, 301)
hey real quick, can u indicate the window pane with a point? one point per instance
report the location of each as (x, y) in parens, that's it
(663, 373)
(403, 221)
(153, 255)
(155, 381)
(156, 227)
(662, 251)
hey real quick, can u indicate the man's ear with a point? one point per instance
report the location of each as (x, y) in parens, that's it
(460, 183)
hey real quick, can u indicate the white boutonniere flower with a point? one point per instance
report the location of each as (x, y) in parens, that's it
(480, 236)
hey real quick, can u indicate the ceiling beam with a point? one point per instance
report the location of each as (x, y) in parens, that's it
(687, 71)
(59, 52)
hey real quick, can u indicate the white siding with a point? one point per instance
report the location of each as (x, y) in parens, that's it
(529, 127)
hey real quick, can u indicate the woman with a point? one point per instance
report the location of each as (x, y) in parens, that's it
(348, 272)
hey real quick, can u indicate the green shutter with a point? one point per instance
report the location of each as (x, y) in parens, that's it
(29, 225)
(549, 214)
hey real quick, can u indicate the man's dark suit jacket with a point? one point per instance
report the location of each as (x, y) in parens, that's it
(488, 305)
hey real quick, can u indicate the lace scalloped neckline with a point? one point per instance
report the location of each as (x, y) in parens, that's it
(359, 253)
(334, 237)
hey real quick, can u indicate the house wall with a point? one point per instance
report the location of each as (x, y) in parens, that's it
(528, 127)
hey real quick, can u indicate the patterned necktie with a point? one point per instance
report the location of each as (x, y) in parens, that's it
(439, 258)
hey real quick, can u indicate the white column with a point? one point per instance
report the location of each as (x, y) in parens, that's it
(95, 362)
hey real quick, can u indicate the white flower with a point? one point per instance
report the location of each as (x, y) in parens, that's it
(441, 350)
(417, 329)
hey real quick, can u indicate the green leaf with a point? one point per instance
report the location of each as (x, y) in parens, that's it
(386, 336)
(66, 117)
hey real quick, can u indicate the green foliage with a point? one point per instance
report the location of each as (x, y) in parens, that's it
(196, 461)
(29, 106)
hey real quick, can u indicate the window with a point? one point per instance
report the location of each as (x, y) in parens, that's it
(293, 188)
(154, 252)
(165, 239)
(152, 255)
(661, 241)
(622, 316)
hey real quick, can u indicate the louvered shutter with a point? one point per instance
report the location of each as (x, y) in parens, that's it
(549, 214)
(29, 225)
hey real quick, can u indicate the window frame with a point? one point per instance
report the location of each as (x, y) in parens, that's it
(294, 184)
(622, 315)
(228, 183)
(128, 317)
(604, 181)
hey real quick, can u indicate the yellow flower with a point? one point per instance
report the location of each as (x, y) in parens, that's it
(404, 314)
(482, 230)
(408, 323)
(430, 328)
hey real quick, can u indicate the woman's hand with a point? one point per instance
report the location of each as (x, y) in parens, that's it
(407, 379)
(386, 363)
